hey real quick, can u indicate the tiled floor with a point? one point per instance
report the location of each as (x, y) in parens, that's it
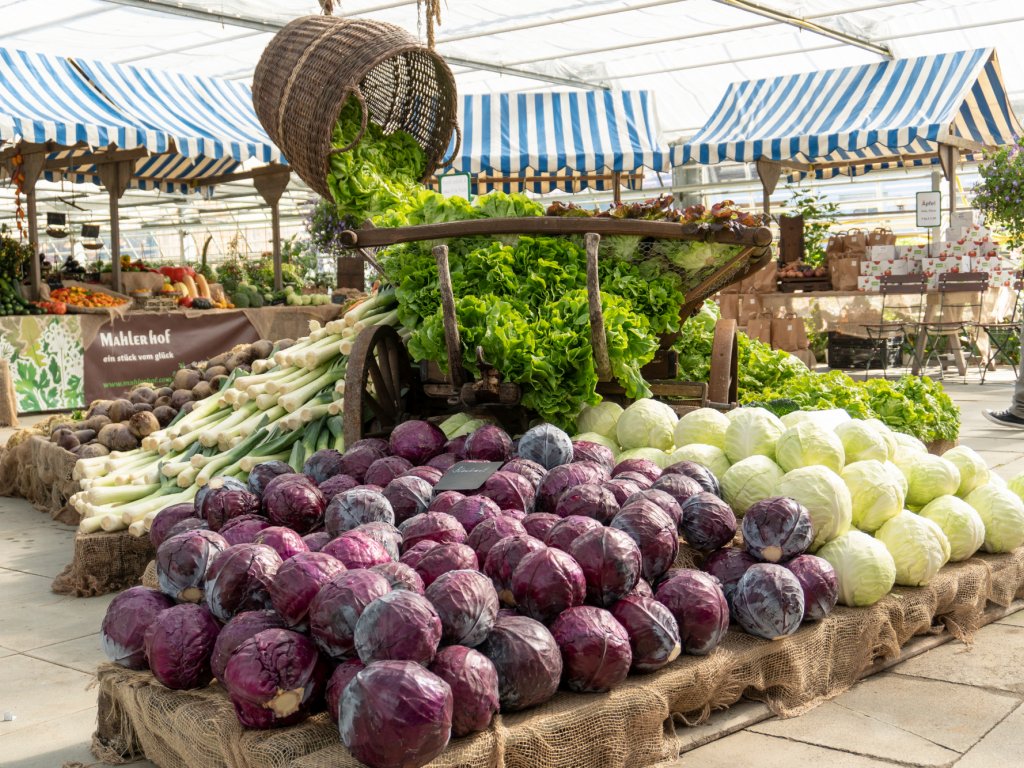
(947, 706)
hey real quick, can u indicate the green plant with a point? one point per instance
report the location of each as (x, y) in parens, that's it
(819, 215)
(1000, 193)
(14, 255)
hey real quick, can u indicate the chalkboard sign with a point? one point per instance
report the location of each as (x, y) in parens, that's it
(467, 475)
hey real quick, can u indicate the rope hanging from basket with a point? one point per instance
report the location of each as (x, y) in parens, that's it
(431, 10)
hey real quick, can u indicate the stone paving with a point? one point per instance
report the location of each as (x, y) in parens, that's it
(947, 706)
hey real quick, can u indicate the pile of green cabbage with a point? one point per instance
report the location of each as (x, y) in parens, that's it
(884, 510)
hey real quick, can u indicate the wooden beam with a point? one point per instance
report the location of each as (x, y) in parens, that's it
(960, 142)
(96, 158)
(266, 170)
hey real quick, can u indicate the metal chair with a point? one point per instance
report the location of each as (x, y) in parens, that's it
(960, 297)
(882, 333)
(1002, 334)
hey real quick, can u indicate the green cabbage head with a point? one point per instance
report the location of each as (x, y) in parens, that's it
(887, 435)
(861, 441)
(876, 494)
(897, 474)
(917, 545)
(806, 444)
(704, 425)
(600, 418)
(750, 480)
(960, 522)
(752, 432)
(973, 469)
(929, 477)
(708, 455)
(826, 497)
(1002, 512)
(646, 424)
(865, 571)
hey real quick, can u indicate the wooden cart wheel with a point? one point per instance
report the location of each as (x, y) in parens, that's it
(378, 383)
(724, 364)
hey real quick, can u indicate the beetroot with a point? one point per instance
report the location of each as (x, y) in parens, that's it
(399, 625)
(337, 607)
(444, 558)
(502, 560)
(400, 576)
(652, 629)
(473, 510)
(563, 533)
(417, 441)
(596, 655)
(396, 714)
(655, 534)
(588, 500)
(237, 631)
(239, 579)
(467, 605)
(707, 522)
(547, 582)
(527, 660)
(538, 524)
(298, 581)
(696, 601)
(356, 550)
(286, 542)
(777, 529)
(179, 642)
(611, 564)
(432, 526)
(490, 532)
(474, 683)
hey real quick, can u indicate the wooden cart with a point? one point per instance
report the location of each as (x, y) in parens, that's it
(382, 387)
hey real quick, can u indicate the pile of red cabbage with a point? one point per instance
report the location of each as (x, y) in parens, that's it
(355, 579)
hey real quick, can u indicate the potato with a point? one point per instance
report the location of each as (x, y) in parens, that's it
(121, 410)
(202, 390)
(180, 397)
(142, 395)
(215, 371)
(185, 379)
(85, 435)
(164, 414)
(143, 424)
(117, 437)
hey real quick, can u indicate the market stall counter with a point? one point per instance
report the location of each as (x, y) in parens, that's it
(62, 362)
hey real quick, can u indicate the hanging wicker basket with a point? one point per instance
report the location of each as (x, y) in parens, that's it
(315, 63)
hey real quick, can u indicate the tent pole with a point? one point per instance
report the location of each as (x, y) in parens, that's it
(947, 159)
(32, 168)
(769, 173)
(115, 177)
(270, 187)
(617, 183)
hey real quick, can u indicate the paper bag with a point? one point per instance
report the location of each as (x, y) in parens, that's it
(765, 280)
(750, 307)
(882, 236)
(844, 272)
(788, 333)
(836, 246)
(856, 241)
(760, 328)
(729, 305)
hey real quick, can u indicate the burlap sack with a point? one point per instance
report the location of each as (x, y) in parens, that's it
(104, 563)
(634, 725)
(40, 471)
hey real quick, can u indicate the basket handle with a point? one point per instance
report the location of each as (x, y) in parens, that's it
(458, 145)
(362, 128)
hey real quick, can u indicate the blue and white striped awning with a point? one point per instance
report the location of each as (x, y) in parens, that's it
(856, 119)
(561, 140)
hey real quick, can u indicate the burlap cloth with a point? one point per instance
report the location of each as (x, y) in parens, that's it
(103, 563)
(40, 471)
(633, 726)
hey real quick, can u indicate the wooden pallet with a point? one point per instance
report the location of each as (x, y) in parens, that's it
(804, 284)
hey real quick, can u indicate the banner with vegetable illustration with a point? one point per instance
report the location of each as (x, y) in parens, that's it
(46, 355)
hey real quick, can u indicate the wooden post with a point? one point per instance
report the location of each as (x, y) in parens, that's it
(769, 173)
(32, 167)
(947, 159)
(617, 183)
(270, 187)
(598, 340)
(115, 178)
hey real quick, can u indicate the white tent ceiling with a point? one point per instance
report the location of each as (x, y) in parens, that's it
(684, 51)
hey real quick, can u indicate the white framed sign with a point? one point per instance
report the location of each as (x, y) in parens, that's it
(929, 209)
(454, 185)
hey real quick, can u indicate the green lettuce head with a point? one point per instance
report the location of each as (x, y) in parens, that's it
(865, 571)
(973, 469)
(806, 444)
(960, 522)
(752, 479)
(917, 545)
(707, 455)
(752, 432)
(826, 498)
(861, 441)
(704, 425)
(875, 492)
(1002, 512)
